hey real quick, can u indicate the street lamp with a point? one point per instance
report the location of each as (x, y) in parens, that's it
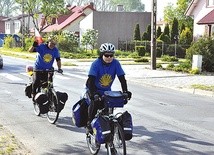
(176, 40)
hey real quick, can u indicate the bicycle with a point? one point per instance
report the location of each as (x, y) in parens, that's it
(47, 88)
(115, 143)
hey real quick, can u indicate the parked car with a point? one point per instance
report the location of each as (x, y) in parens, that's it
(1, 62)
(15, 36)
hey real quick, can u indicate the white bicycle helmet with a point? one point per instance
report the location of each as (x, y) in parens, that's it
(107, 47)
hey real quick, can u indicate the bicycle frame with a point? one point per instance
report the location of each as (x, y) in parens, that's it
(116, 140)
(46, 87)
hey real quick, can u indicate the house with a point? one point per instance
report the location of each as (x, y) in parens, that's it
(13, 25)
(115, 26)
(112, 26)
(71, 20)
(162, 24)
(202, 11)
(2, 24)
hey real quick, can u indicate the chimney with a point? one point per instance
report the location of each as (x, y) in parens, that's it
(120, 8)
(92, 5)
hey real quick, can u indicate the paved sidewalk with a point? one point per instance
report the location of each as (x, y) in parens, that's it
(169, 79)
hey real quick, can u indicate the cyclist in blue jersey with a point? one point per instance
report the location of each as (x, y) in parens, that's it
(46, 53)
(101, 75)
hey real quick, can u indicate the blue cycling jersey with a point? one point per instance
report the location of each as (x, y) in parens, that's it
(105, 74)
(45, 57)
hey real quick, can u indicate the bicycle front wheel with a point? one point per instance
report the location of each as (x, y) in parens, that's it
(93, 146)
(53, 112)
(119, 143)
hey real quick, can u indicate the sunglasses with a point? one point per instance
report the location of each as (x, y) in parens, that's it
(108, 55)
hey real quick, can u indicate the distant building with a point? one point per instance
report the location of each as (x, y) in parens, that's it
(115, 26)
(2, 24)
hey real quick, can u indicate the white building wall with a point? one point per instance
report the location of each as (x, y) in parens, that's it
(199, 12)
(86, 23)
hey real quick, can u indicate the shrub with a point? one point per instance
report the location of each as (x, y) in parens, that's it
(141, 50)
(8, 42)
(194, 71)
(180, 52)
(158, 65)
(169, 58)
(170, 66)
(141, 60)
(204, 47)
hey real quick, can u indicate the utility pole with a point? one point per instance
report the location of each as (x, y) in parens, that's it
(23, 23)
(153, 34)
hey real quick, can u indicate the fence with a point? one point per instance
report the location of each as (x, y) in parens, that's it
(178, 50)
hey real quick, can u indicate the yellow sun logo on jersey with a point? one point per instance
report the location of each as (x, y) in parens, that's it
(47, 58)
(105, 80)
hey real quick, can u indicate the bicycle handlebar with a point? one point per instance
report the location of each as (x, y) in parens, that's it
(48, 71)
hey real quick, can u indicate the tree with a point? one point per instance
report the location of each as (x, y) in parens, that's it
(8, 7)
(148, 30)
(111, 5)
(180, 13)
(147, 34)
(166, 30)
(159, 31)
(169, 13)
(186, 37)
(174, 31)
(137, 32)
(90, 38)
(49, 8)
(144, 36)
(182, 27)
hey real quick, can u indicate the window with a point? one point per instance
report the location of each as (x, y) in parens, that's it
(210, 2)
(7, 26)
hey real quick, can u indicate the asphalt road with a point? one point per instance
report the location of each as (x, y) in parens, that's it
(166, 121)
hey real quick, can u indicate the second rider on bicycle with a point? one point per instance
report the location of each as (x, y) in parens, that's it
(46, 53)
(100, 78)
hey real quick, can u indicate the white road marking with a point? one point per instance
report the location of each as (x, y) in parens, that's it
(77, 76)
(15, 78)
(11, 77)
(61, 77)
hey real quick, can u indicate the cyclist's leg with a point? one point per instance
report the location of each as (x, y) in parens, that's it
(90, 116)
(35, 83)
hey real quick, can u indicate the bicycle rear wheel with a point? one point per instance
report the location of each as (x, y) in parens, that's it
(119, 143)
(53, 112)
(36, 109)
(93, 146)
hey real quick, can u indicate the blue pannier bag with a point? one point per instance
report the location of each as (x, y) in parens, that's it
(114, 99)
(125, 120)
(101, 129)
(80, 113)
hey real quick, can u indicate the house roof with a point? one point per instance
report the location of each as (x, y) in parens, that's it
(191, 7)
(75, 12)
(2, 17)
(15, 18)
(208, 19)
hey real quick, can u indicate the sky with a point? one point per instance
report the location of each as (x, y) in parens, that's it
(160, 6)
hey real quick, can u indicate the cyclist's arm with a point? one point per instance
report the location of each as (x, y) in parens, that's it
(33, 47)
(123, 83)
(58, 60)
(90, 83)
